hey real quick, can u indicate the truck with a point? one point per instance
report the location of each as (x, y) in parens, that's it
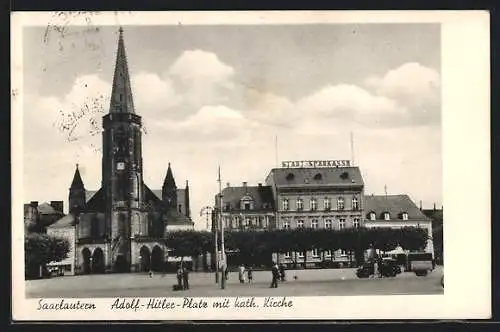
(421, 263)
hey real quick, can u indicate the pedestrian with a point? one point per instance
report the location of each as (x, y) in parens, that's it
(185, 278)
(275, 273)
(241, 274)
(282, 272)
(179, 277)
(250, 274)
(150, 273)
(226, 273)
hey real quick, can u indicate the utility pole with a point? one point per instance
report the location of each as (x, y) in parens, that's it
(223, 251)
(206, 210)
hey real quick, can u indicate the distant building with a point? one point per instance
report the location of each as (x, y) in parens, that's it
(247, 207)
(328, 197)
(65, 228)
(37, 217)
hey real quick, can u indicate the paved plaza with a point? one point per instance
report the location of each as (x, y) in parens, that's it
(325, 282)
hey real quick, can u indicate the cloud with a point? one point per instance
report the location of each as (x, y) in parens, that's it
(414, 86)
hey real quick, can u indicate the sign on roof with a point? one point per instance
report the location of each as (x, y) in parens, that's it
(315, 163)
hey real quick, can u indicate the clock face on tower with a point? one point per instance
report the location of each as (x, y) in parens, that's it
(120, 166)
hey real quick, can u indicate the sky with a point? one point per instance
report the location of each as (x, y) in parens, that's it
(224, 95)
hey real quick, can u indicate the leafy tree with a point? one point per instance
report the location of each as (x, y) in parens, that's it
(413, 238)
(41, 249)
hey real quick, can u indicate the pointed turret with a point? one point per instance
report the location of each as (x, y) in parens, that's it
(121, 93)
(169, 190)
(77, 179)
(76, 193)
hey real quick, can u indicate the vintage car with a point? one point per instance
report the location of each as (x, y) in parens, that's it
(388, 268)
(420, 263)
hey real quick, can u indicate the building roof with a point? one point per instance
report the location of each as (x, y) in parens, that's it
(46, 208)
(97, 201)
(260, 194)
(89, 194)
(77, 179)
(331, 176)
(395, 205)
(67, 221)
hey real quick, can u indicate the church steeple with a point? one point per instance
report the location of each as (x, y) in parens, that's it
(77, 182)
(169, 190)
(76, 193)
(121, 93)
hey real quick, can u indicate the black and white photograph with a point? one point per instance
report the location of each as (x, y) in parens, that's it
(194, 164)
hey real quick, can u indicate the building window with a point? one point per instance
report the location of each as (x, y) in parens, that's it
(288, 254)
(315, 253)
(286, 224)
(372, 216)
(180, 208)
(300, 204)
(328, 224)
(314, 224)
(340, 203)
(405, 216)
(313, 204)
(327, 204)
(343, 252)
(300, 223)
(300, 254)
(341, 223)
(387, 216)
(355, 223)
(328, 253)
(355, 204)
(247, 206)
(285, 204)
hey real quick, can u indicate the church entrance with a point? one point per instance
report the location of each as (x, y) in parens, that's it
(145, 256)
(98, 261)
(157, 261)
(86, 260)
(121, 264)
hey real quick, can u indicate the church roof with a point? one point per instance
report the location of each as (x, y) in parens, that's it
(121, 92)
(395, 205)
(97, 201)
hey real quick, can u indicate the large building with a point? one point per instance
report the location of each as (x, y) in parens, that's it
(317, 194)
(121, 226)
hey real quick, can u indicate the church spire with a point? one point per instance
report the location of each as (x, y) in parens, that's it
(77, 182)
(121, 93)
(169, 181)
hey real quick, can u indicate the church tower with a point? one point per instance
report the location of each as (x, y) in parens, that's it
(76, 194)
(169, 191)
(122, 179)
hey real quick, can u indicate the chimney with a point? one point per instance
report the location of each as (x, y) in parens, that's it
(260, 185)
(244, 184)
(434, 206)
(420, 205)
(228, 184)
(57, 205)
(34, 204)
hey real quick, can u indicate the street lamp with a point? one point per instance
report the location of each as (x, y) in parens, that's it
(208, 210)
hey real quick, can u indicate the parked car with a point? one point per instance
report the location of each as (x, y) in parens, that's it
(421, 263)
(388, 268)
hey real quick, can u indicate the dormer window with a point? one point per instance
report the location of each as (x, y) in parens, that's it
(247, 203)
(344, 175)
(404, 215)
(290, 177)
(372, 216)
(387, 216)
(318, 177)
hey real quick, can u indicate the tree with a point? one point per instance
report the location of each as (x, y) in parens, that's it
(41, 249)
(413, 238)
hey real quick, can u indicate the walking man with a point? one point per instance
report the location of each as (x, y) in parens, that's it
(250, 274)
(179, 277)
(282, 272)
(185, 278)
(275, 272)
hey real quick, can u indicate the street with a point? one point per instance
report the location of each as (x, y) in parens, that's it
(324, 282)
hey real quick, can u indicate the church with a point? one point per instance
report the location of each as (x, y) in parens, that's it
(121, 226)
